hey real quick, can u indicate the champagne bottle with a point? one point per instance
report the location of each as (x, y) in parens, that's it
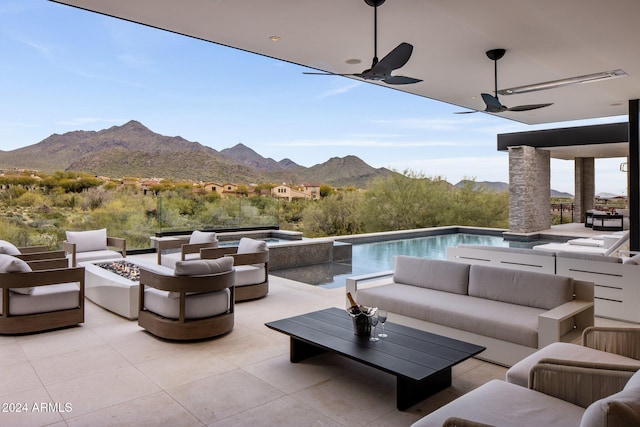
(354, 308)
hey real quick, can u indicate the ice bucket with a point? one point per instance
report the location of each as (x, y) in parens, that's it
(362, 322)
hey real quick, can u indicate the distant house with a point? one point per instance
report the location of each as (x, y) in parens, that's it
(213, 187)
(309, 192)
(229, 189)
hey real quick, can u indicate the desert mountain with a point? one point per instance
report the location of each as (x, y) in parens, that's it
(503, 186)
(133, 150)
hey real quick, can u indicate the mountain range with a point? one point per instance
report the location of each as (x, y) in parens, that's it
(133, 150)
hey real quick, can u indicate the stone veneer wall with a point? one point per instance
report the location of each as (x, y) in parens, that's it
(584, 187)
(529, 189)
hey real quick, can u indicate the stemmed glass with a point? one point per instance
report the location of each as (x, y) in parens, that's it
(374, 323)
(382, 317)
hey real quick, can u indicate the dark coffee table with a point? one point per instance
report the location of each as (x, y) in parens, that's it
(421, 361)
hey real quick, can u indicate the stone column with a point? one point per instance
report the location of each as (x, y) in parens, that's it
(585, 191)
(529, 189)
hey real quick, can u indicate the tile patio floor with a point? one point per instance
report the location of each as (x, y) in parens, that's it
(112, 373)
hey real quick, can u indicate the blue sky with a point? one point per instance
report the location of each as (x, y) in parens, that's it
(65, 69)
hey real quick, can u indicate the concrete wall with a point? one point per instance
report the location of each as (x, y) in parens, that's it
(529, 189)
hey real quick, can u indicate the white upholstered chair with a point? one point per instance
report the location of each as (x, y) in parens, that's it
(194, 301)
(34, 300)
(92, 245)
(251, 261)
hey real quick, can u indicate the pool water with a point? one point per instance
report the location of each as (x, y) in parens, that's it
(378, 256)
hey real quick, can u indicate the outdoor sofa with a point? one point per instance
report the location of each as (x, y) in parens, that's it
(512, 313)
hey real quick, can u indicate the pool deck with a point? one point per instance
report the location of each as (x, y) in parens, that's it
(112, 372)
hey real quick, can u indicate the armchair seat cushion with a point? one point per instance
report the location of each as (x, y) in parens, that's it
(197, 306)
(503, 404)
(44, 299)
(519, 373)
(98, 255)
(249, 275)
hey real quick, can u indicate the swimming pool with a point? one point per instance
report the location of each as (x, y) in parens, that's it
(378, 256)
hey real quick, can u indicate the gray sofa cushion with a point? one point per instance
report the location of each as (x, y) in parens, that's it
(503, 321)
(525, 288)
(618, 410)
(432, 274)
(499, 403)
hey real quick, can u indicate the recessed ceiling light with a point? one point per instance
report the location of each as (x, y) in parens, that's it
(474, 97)
(353, 61)
(274, 38)
(564, 82)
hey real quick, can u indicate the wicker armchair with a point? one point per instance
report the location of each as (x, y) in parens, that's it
(608, 345)
(195, 301)
(561, 393)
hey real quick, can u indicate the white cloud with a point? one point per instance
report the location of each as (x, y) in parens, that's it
(370, 143)
(339, 90)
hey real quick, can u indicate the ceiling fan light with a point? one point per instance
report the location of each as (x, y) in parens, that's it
(589, 78)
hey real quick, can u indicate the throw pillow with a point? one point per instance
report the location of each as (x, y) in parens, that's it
(86, 241)
(11, 264)
(247, 246)
(200, 268)
(8, 248)
(203, 237)
(618, 410)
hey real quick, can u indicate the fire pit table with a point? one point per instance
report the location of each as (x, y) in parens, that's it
(114, 284)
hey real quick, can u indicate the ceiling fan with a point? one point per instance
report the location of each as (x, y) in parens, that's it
(492, 102)
(381, 70)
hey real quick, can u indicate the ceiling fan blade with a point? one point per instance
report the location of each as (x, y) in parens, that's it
(528, 107)
(394, 59)
(400, 80)
(492, 103)
(332, 74)
(466, 112)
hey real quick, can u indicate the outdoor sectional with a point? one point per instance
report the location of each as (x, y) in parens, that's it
(512, 313)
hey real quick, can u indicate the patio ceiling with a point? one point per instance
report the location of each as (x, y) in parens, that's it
(545, 40)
